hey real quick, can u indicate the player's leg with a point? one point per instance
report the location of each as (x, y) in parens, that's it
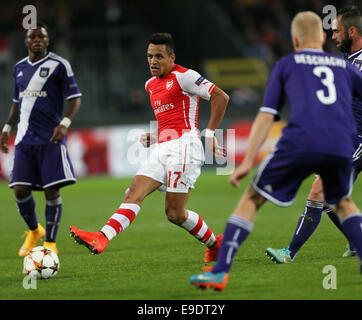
(310, 218)
(192, 222)
(96, 242)
(238, 227)
(277, 179)
(337, 183)
(357, 164)
(26, 207)
(351, 222)
(306, 225)
(175, 207)
(56, 172)
(149, 177)
(23, 180)
(334, 218)
(53, 214)
(183, 163)
(139, 189)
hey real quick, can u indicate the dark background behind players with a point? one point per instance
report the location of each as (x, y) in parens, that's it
(104, 41)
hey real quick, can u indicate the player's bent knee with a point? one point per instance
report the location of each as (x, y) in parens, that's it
(255, 197)
(51, 193)
(175, 216)
(249, 203)
(134, 195)
(21, 192)
(140, 187)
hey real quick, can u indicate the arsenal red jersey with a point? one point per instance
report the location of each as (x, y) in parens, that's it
(175, 101)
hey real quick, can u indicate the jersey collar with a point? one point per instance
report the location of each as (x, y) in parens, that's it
(36, 62)
(312, 49)
(354, 54)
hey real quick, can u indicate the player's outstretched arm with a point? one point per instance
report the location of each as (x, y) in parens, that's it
(60, 131)
(219, 100)
(259, 132)
(10, 123)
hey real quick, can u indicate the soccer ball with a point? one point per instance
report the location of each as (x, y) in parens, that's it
(41, 263)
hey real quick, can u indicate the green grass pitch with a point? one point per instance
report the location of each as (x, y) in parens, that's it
(153, 259)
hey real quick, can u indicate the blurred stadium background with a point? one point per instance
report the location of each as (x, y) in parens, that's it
(231, 42)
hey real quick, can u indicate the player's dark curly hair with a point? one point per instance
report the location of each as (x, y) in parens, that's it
(351, 17)
(163, 38)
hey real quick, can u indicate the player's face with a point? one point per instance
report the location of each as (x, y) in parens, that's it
(340, 35)
(37, 40)
(159, 60)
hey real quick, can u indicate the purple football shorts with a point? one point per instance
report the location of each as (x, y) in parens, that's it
(42, 166)
(280, 175)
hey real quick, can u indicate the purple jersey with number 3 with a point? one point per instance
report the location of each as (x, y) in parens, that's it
(319, 87)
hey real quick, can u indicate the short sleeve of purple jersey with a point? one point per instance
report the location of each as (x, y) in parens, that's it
(16, 90)
(69, 85)
(274, 92)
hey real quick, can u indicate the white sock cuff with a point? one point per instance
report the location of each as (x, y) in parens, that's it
(191, 221)
(314, 204)
(109, 232)
(54, 202)
(131, 206)
(23, 200)
(241, 222)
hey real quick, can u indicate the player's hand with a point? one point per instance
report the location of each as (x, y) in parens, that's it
(213, 146)
(4, 138)
(147, 139)
(59, 134)
(239, 173)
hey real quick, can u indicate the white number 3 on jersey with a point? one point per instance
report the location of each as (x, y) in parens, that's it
(327, 78)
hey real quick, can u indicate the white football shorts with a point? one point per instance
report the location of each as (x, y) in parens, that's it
(176, 163)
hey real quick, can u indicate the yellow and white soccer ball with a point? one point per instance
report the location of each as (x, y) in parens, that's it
(41, 263)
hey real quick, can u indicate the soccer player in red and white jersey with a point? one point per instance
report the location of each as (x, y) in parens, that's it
(176, 159)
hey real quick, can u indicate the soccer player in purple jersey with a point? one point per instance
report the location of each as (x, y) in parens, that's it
(347, 33)
(318, 86)
(41, 83)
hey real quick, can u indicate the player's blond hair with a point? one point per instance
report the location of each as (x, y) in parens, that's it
(307, 27)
